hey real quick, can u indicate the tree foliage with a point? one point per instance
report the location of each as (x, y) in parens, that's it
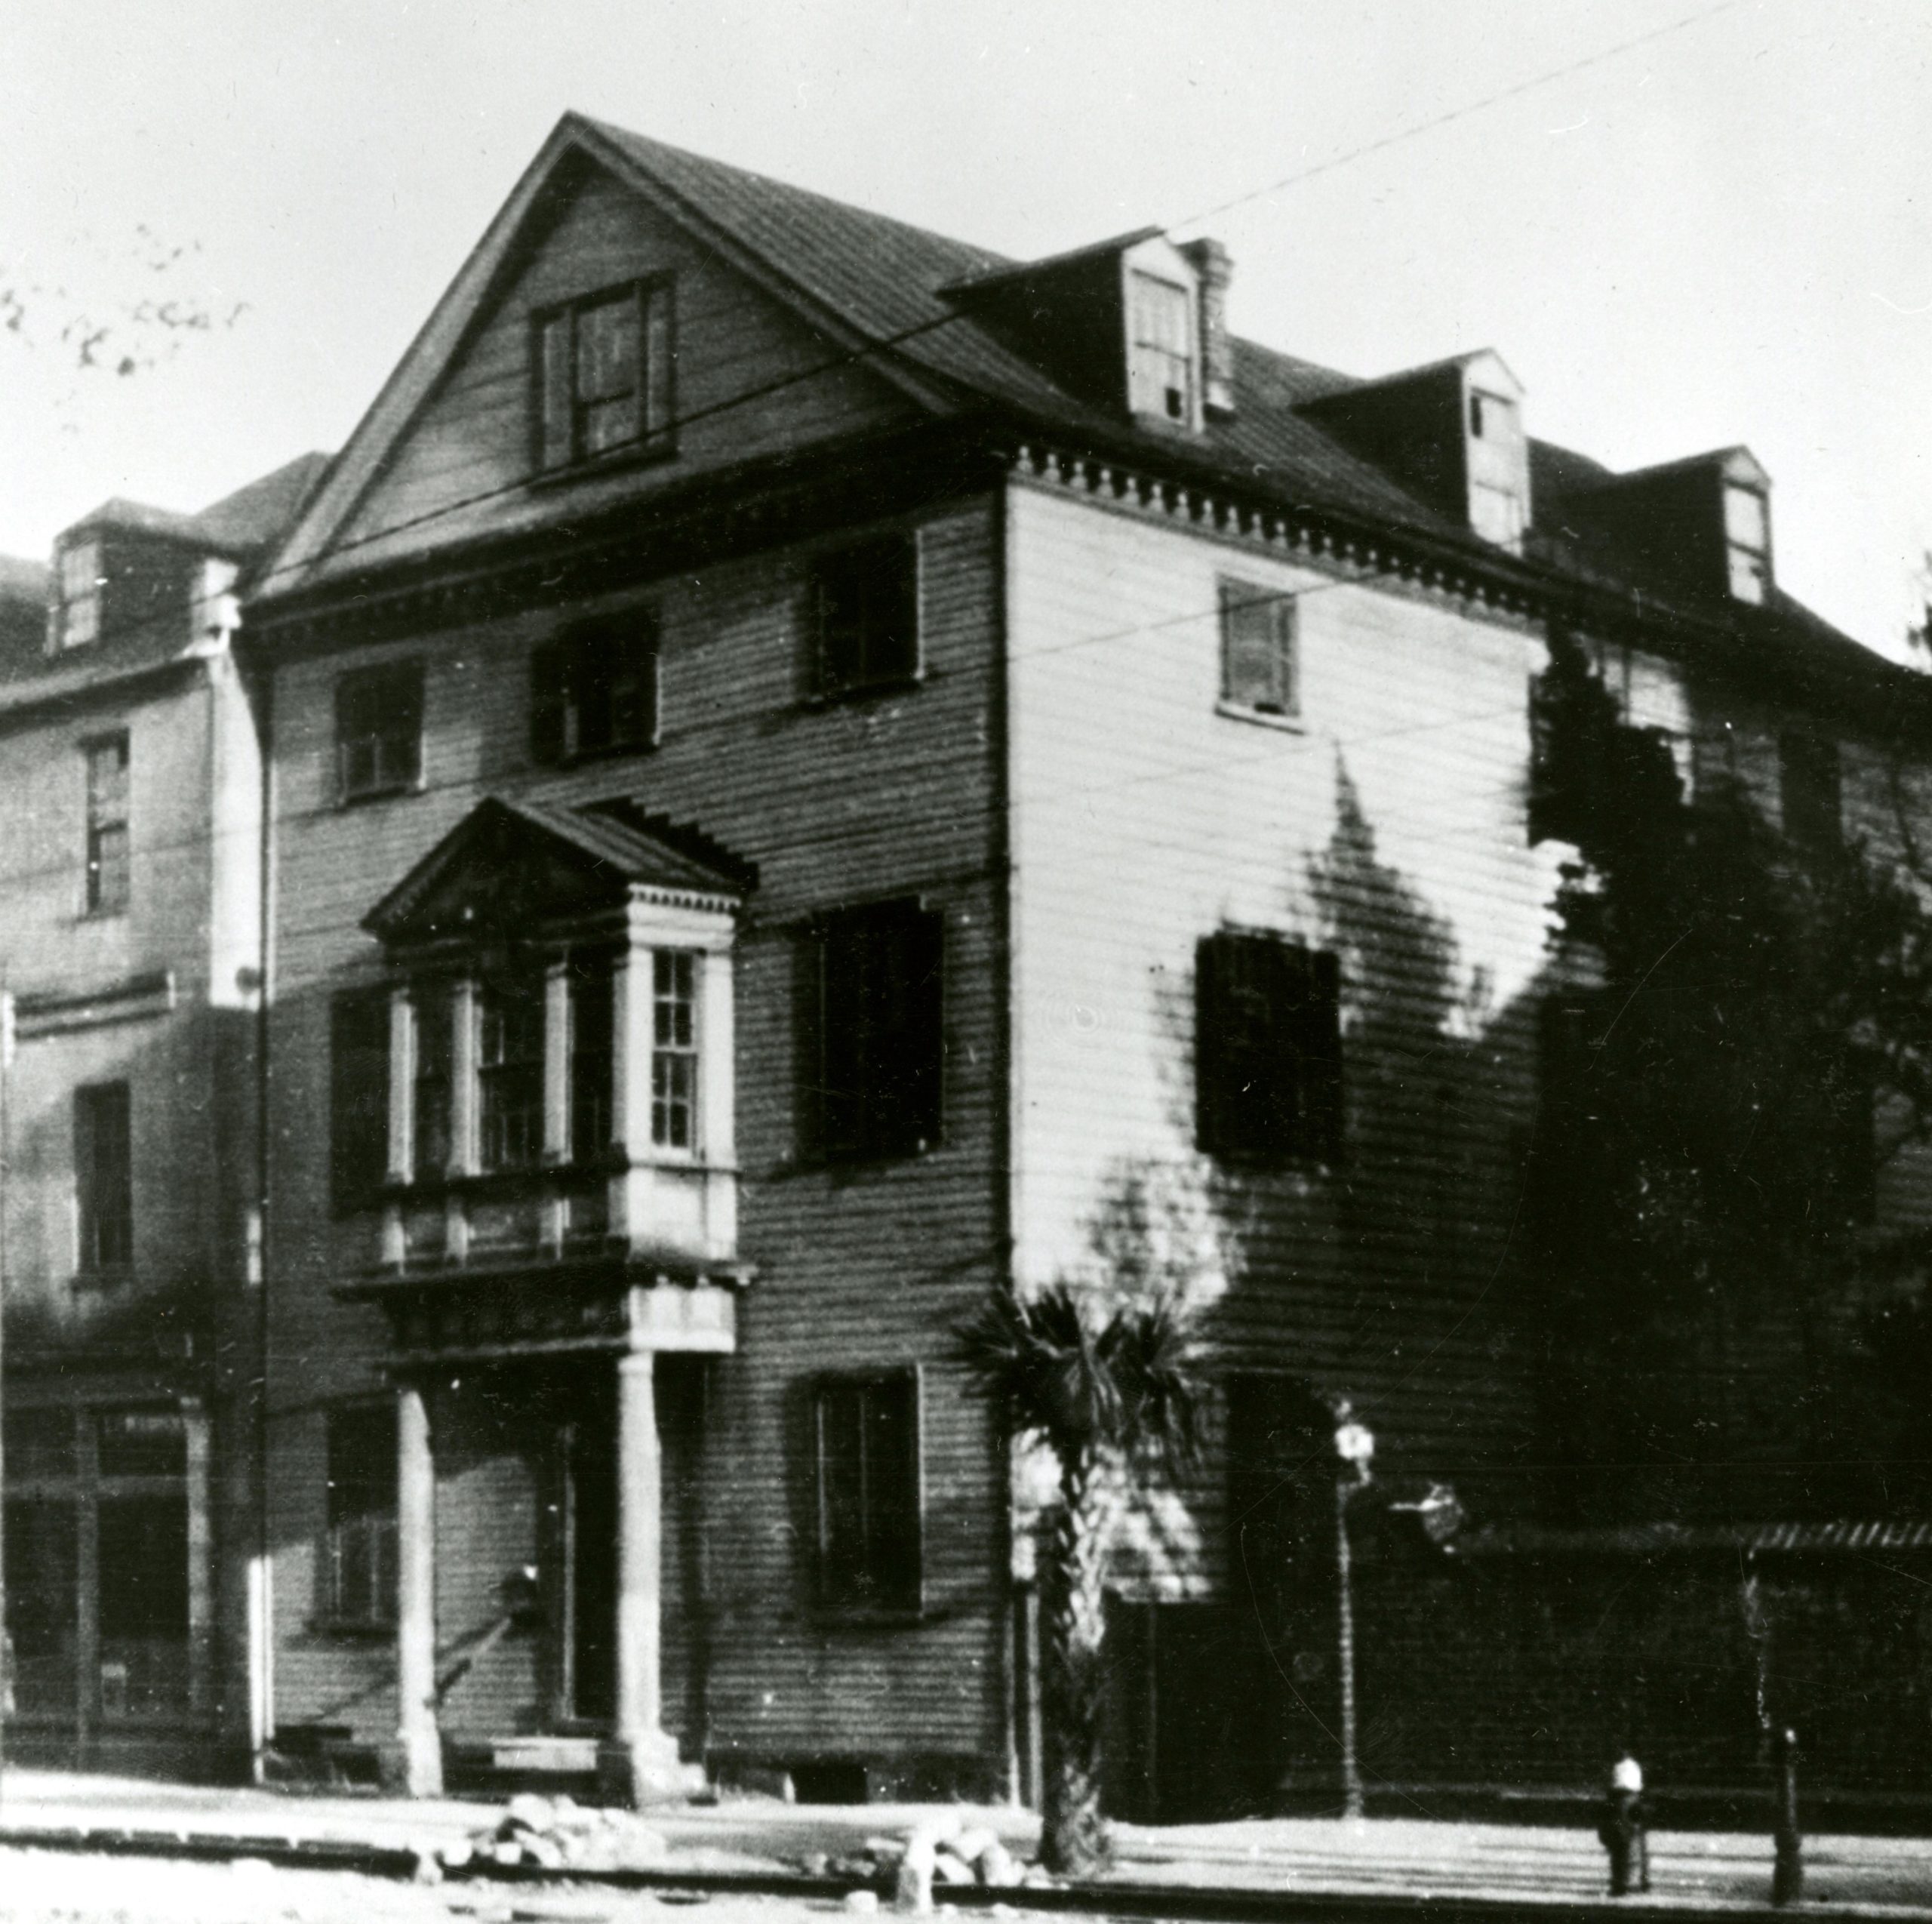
(1109, 1382)
(1748, 1037)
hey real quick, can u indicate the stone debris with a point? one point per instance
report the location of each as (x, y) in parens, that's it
(558, 1833)
(939, 1850)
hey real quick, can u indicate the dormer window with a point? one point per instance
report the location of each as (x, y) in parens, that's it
(1161, 363)
(1747, 535)
(80, 594)
(602, 376)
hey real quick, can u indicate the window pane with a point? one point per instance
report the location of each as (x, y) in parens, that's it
(1160, 322)
(1257, 643)
(867, 615)
(881, 1031)
(435, 1045)
(674, 1049)
(553, 348)
(592, 1063)
(866, 1438)
(510, 1074)
(379, 727)
(607, 394)
(102, 1177)
(1746, 521)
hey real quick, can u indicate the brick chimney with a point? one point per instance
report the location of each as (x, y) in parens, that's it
(1210, 262)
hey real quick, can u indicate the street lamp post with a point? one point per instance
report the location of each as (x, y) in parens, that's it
(1355, 1446)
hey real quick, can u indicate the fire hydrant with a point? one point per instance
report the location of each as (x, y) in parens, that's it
(1622, 1830)
(1788, 1867)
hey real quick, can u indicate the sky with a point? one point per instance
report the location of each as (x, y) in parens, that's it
(1721, 233)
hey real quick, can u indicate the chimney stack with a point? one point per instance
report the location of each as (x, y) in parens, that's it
(1211, 263)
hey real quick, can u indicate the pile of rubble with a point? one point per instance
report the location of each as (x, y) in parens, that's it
(939, 1851)
(558, 1833)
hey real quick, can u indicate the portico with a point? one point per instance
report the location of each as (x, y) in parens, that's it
(558, 1213)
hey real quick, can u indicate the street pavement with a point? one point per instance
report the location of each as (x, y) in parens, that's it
(1534, 1867)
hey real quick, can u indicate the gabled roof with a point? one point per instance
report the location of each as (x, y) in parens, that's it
(240, 527)
(510, 866)
(879, 288)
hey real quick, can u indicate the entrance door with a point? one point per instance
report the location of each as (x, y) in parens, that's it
(587, 1624)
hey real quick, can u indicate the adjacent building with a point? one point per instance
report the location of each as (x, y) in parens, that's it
(130, 964)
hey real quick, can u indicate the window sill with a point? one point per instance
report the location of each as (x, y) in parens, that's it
(1235, 711)
(863, 691)
(351, 1630)
(618, 461)
(861, 1616)
(363, 798)
(578, 758)
(115, 1277)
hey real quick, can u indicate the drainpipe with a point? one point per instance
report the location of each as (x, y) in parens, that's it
(261, 1594)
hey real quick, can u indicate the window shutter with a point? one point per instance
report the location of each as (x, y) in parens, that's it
(1258, 626)
(1322, 1095)
(1210, 1035)
(917, 1051)
(895, 651)
(660, 353)
(555, 383)
(547, 676)
(634, 694)
(808, 1005)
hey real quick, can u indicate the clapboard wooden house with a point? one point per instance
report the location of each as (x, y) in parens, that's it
(816, 772)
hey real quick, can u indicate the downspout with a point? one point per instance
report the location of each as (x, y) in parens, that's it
(261, 1593)
(1012, 1643)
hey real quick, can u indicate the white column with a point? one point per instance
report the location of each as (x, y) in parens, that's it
(402, 1077)
(640, 1762)
(465, 1143)
(418, 1739)
(633, 1031)
(717, 1088)
(402, 1119)
(558, 1147)
(201, 1559)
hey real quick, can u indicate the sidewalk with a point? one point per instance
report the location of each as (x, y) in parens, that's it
(1400, 1861)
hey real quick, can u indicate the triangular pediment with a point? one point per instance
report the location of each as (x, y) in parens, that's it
(443, 454)
(509, 870)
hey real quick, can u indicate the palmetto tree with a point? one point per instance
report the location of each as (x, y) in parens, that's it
(1110, 1387)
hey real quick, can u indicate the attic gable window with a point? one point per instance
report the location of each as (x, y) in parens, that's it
(1160, 319)
(80, 594)
(602, 376)
(1747, 533)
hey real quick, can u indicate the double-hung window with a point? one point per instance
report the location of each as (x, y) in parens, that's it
(1258, 643)
(674, 1049)
(509, 1073)
(879, 1031)
(592, 1059)
(358, 1569)
(1268, 1049)
(103, 1170)
(1747, 533)
(432, 1090)
(866, 615)
(108, 872)
(1161, 339)
(603, 376)
(594, 690)
(379, 731)
(866, 1491)
(81, 579)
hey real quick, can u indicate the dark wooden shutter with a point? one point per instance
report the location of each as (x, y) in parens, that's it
(1210, 1067)
(634, 689)
(553, 388)
(660, 350)
(1318, 1040)
(549, 695)
(881, 1040)
(843, 1052)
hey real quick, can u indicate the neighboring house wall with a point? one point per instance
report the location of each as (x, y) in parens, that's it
(837, 803)
(143, 994)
